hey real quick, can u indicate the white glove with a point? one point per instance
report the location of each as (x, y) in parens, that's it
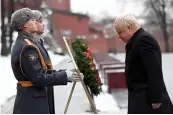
(72, 76)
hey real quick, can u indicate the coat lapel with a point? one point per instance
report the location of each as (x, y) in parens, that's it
(131, 41)
(45, 54)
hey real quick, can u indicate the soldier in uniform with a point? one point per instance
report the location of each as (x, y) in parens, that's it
(40, 30)
(32, 68)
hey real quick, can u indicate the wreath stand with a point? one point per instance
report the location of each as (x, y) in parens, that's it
(82, 82)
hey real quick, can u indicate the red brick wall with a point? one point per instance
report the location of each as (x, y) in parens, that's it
(64, 5)
(98, 45)
(35, 4)
(115, 45)
(79, 25)
(95, 44)
(97, 26)
(32, 4)
(111, 44)
(120, 45)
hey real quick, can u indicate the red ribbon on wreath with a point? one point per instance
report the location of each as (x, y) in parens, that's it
(87, 53)
(98, 79)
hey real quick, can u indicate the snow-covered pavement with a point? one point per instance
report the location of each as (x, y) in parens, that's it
(79, 103)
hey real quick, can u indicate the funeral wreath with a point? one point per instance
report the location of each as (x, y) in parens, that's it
(84, 60)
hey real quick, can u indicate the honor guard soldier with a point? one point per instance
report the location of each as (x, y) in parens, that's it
(32, 67)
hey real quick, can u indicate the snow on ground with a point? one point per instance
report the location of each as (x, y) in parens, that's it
(104, 102)
(8, 82)
(79, 103)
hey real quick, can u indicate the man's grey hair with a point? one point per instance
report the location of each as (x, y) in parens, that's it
(20, 17)
(125, 21)
(37, 14)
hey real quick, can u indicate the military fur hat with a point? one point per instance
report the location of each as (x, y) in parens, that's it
(20, 17)
(37, 15)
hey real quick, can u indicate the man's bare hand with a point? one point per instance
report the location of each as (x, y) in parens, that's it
(156, 105)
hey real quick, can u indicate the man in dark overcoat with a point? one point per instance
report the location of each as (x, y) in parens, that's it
(33, 69)
(144, 78)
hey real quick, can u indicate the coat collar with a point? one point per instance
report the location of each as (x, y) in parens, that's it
(39, 39)
(130, 42)
(24, 35)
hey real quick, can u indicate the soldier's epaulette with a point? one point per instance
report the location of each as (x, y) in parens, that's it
(43, 64)
(39, 53)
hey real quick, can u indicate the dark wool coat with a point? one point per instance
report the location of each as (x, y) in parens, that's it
(144, 76)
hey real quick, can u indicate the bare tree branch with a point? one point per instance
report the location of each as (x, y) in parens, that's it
(161, 10)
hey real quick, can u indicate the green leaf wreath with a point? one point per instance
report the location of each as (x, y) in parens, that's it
(84, 60)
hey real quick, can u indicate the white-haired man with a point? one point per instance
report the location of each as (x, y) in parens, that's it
(144, 77)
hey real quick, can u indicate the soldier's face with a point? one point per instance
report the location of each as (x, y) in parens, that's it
(31, 26)
(40, 26)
